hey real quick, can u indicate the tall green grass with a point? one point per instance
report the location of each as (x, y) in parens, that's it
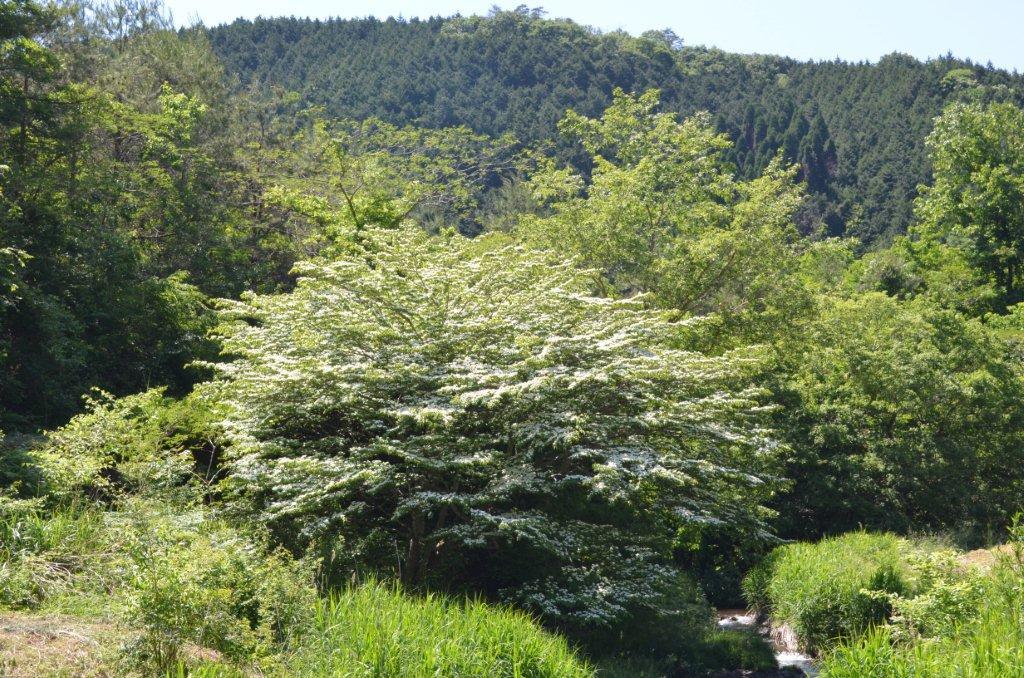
(66, 531)
(376, 630)
(988, 646)
(42, 554)
(992, 647)
(818, 589)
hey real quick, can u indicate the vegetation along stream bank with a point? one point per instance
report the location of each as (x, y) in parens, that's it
(501, 346)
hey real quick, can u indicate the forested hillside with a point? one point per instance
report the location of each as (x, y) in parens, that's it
(857, 130)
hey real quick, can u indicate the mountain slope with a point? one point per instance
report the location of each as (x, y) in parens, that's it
(857, 129)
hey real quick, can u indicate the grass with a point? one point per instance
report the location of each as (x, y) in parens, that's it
(55, 645)
(735, 650)
(370, 630)
(42, 555)
(141, 586)
(990, 645)
(817, 589)
(957, 615)
(181, 590)
(376, 630)
(194, 588)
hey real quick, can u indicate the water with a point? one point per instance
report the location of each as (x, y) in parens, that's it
(741, 619)
(736, 619)
(803, 662)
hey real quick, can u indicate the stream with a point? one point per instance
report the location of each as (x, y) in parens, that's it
(786, 655)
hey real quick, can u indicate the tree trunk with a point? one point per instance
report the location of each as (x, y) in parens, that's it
(411, 574)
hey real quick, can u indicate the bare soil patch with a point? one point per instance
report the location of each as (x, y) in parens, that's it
(53, 645)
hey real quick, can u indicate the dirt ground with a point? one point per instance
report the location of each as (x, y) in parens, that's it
(984, 559)
(52, 645)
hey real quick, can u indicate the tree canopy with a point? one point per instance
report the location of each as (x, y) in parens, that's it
(976, 201)
(471, 404)
(662, 212)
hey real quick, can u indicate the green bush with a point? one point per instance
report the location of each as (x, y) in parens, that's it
(757, 582)
(145, 443)
(212, 589)
(822, 591)
(377, 630)
(177, 580)
(946, 595)
(84, 457)
(992, 646)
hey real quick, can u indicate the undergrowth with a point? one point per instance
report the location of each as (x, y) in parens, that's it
(965, 624)
(377, 630)
(821, 591)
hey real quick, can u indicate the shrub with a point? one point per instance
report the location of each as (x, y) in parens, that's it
(990, 646)
(718, 556)
(177, 580)
(143, 443)
(377, 630)
(83, 457)
(947, 595)
(823, 591)
(212, 589)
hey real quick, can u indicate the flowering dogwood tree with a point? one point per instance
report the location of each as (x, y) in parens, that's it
(467, 412)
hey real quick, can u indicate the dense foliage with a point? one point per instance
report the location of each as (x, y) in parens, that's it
(663, 213)
(824, 591)
(901, 414)
(252, 354)
(879, 605)
(471, 402)
(976, 202)
(120, 210)
(986, 637)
